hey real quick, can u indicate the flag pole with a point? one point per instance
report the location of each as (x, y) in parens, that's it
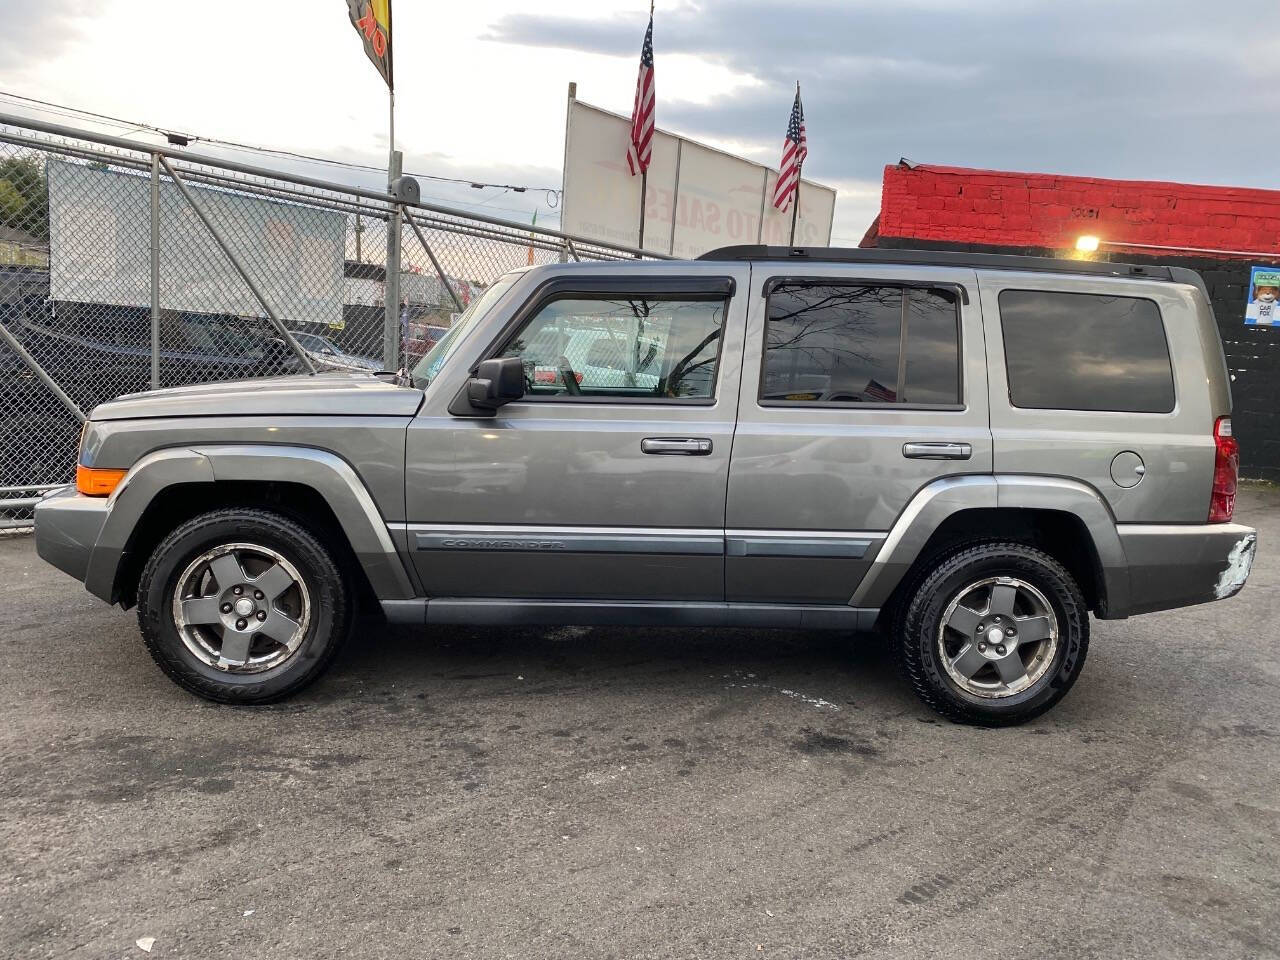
(391, 99)
(644, 189)
(391, 124)
(795, 209)
(392, 340)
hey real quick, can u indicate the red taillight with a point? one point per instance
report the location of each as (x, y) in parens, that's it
(1226, 470)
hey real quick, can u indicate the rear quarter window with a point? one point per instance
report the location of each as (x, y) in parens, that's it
(1083, 351)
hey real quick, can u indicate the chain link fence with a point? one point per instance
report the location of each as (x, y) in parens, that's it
(126, 268)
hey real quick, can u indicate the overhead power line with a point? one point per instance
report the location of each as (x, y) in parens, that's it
(183, 139)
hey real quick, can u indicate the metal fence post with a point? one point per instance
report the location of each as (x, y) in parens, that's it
(155, 271)
(391, 288)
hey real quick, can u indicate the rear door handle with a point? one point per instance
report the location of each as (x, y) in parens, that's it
(676, 446)
(931, 450)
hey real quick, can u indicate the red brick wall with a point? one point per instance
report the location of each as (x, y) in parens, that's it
(957, 205)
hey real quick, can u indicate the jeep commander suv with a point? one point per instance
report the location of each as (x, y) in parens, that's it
(971, 451)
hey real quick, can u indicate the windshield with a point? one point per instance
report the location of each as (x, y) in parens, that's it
(434, 361)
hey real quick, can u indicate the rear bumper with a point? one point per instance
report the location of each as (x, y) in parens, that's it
(1180, 565)
(68, 525)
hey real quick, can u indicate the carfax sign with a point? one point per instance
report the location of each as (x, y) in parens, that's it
(1263, 309)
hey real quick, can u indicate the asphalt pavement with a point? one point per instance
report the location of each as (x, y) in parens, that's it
(675, 793)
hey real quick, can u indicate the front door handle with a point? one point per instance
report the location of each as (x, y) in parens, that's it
(676, 446)
(931, 450)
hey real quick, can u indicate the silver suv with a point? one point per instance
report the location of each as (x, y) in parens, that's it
(972, 452)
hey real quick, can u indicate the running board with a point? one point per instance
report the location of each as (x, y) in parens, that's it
(633, 613)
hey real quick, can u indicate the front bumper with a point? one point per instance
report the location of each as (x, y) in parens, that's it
(1180, 565)
(68, 525)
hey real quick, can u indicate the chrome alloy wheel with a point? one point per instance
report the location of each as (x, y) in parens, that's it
(998, 636)
(241, 608)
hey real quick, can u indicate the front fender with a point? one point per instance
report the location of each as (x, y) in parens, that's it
(325, 472)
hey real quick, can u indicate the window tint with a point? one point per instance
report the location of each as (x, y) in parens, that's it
(1079, 351)
(833, 343)
(629, 348)
(933, 348)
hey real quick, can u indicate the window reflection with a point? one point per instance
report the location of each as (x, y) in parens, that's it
(1077, 351)
(834, 343)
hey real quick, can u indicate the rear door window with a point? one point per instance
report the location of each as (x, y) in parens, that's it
(832, 343)
(1079, 351)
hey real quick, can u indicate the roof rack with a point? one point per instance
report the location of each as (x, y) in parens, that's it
(938, 258)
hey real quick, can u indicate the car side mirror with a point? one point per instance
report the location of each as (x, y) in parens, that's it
(496, 382)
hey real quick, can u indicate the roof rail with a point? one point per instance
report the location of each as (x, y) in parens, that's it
(937, 258)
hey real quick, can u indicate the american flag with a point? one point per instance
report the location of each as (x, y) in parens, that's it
(640, 148)
(794, 149)
(875, 390)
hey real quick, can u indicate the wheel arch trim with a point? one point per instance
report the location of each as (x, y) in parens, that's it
(937, 501)
(330, 476)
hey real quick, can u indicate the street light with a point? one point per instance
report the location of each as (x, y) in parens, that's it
(1087, 243)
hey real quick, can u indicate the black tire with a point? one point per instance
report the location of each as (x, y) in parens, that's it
(329, 594)
(946, 578)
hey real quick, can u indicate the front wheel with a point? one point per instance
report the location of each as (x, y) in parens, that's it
(994, 634)
(242, 606)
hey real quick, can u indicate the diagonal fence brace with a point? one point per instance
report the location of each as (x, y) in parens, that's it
(244, 274)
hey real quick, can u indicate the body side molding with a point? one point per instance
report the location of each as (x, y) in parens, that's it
(848, 545)
(518, 538)
(522, 539)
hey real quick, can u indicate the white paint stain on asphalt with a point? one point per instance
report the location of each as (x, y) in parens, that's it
(818, 702)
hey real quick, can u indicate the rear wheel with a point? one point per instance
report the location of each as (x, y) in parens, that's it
(994, 634)
(242, 606)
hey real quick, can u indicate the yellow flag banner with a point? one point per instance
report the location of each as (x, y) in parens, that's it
(372, 20)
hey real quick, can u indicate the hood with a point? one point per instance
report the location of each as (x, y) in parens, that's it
(325, 394)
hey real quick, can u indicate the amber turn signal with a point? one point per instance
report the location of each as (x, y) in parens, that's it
(96, 482)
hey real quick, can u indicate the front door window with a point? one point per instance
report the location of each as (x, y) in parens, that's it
(626, 348)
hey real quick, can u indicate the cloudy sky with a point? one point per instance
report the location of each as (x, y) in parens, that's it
(1161, 89)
